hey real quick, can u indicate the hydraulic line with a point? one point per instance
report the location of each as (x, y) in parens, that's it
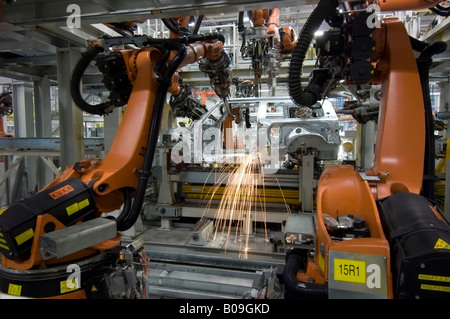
(198, 24)
(90, 54)
(424, 62)
(77, 74)
(131, 212)
(441, 10)
(300, 96)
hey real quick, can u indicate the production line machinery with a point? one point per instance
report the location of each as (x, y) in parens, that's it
(291, 135)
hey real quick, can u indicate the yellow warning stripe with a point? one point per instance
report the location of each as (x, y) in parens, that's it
(209, 190)
(292, 201)
(435, 288)
(434, 278)
(72, 209)
(23, 237)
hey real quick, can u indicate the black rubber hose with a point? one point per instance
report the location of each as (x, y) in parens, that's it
(417, 45)
(169, 23)
(298, 95)
(440, 10)
(241, 27)
(198, 24)
(295, 289)
(424, 63)
(248, 124)
(75, 90)
(128, 218)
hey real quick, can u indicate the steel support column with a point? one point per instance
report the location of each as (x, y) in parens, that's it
(25, 178)
(70, 116)
(42, 111)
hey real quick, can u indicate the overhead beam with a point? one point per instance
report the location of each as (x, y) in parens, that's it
(54, 13)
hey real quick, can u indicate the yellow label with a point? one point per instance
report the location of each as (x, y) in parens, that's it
(14, 290)
(435, 288)
(21, 238)
(434, 278)
(2, 210)
(350, 270)
(441, 244)
(4, 246)
(64, 285)
(83, 203)
(72, 209)
(321, 262)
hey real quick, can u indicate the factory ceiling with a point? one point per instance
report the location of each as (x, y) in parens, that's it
(32, 31)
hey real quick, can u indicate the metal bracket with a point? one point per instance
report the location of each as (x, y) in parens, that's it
(66, 241)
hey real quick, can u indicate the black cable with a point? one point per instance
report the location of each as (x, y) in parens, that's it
(299, 95)
(440, 10)
(424, 62)
(128, 218)
(198, 24)
(75, 80)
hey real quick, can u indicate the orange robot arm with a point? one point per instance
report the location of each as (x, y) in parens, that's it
(398, 165)
(399, 5)
(105, 185)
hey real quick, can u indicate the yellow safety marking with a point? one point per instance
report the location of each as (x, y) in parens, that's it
(293, 201)
(350, 270)
(4, 246)
(21, 238)
(72, 209)
(435, 288)
(434, 278)
(266, 192)
(83, 203)
(321, 262)
(14, 290)
(2, 210)
(64, 287)
(2, 240)
(441, 244)
(1, 234)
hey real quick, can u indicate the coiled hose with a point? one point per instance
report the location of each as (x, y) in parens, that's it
(299, 95)
(75, 90)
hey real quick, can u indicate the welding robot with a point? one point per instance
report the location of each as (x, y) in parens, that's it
(378, 232)
(62, 242)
